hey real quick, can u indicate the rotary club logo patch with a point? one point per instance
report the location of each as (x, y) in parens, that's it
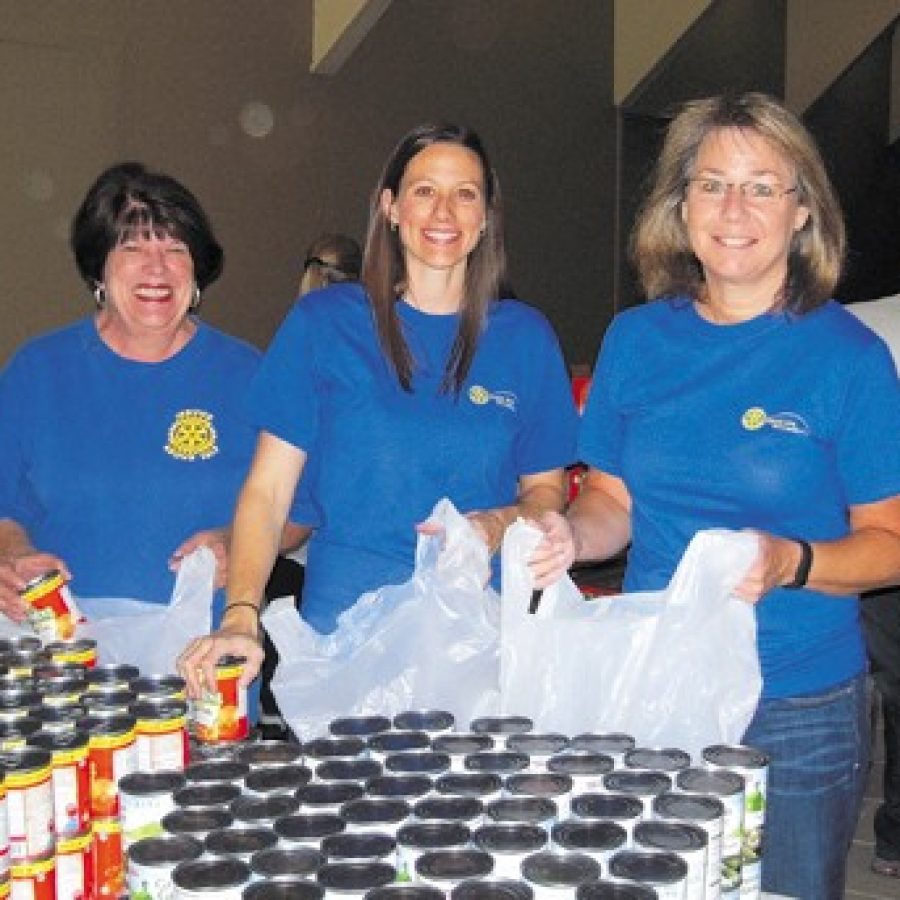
(192, 436)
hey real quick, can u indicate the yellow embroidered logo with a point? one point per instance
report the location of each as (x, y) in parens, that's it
(754, 418)
(192, 436)
(478, 395)
(792, 423)
(481, 396)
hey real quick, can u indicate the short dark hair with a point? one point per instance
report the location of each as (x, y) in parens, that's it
(127, 199)
(384, 274)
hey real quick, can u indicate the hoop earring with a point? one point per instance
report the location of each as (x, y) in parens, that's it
(100, 296)
(195, 297)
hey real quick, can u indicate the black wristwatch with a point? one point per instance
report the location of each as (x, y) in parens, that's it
(801, 576)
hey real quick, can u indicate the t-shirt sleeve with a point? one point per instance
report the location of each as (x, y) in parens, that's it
(547, 440)
(601, 431)
(283, 398)
(868, 435)
(14, 500)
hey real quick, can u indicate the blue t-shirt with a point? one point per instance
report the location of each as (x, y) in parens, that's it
(777, 424)
(111, 464)
(381, 457)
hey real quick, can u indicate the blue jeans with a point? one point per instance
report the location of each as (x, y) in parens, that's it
(818, 747)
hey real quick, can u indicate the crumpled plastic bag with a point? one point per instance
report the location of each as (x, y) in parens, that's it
(152, 635)
(430, 643)
(675, 668)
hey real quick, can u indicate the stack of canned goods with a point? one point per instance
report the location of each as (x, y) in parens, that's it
(410, 808)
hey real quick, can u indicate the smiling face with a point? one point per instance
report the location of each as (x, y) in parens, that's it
(149, 282)
(439, 210)
(742, 242)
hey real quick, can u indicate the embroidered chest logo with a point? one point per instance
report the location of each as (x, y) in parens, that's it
(481, 396)
(192, 436)
(756, 417)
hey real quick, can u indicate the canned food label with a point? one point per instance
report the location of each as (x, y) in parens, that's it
(162, 745)
(108, 859)
(142, 815)
(34, 880)
(74, 868)
(30, 809)
(111, 759)
(71, 792)
(150, 882)
(221, 715)
(52, 612)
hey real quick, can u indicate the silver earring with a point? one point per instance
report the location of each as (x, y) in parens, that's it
(195, 297)
(394, 227)
(100, 296)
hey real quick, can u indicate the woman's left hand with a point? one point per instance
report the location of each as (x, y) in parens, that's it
(775, 565)
(217, 540)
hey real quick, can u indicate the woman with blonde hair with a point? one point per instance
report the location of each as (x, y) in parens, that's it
(330, 259)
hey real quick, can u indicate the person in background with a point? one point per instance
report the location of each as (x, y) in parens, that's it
(881, 624)
(742, 397)
(123, 443)
(330, 259)
(419, 383)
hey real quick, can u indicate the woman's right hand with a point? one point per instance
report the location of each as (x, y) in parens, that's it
(555, 553)
(17, 568)
(198, 661)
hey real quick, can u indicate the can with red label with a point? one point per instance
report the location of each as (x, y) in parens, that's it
(4, 830)
(34, 880)
(29, 803)
(71, 779)
(161, 735)
(79, 651)
(108, 858)
(75, 867)
(52, 612)
(111, 754)
(220, 715)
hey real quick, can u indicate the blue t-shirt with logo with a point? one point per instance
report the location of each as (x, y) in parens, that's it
(778, 424)
(111, 464)
(381, 457)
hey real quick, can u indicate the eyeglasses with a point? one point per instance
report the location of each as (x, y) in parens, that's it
(754, 193)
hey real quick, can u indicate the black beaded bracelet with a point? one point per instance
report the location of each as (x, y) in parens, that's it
(801, 576)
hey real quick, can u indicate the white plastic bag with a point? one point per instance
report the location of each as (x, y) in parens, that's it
(675, 668)
(151, 635)
(431, 642)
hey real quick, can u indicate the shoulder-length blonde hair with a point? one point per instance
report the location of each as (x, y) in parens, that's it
(384, 269)
(660, 248)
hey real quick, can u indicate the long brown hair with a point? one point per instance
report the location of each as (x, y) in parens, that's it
(384, 268)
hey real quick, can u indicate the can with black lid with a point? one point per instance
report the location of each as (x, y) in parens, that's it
(161, 735)
(29, 803)
(21, 663)
(645, 785)
(350, 847)
(599, 839)
(330, 797)
(307, 829)
(683, 839)
(417, 762)
(504, 725)
(216, 770)
(529, 810)
(146, 798)
(459, 746)
(14, 735)
(613, 744)
(753, 766)
(269, 753)
(509, 844)
(152, 859)
(615, 890)
(417, 838)
(468, 810)
(77, 651)
(197, 822)
(624, 809)
(249, 809)
(359, 726)
(656, 759)
(706, 812)
(71, 780)
(728, 787)
(443, 868)
(239, 842)
(277, 863)
(158, 687)
(277, 779)
(491, 888)
(223, 878)
(284, 889)
(542, 784)
(486, 786)
(108, 676)
(586, 769)
(10, 678)
(432, 721)
(368, 814)
(402, 787)
(380, 746)
(18, 643)
(405, 892)
(348, 880)
(358, 770)
(320, 749)
(665, 872)
(219, 715)
(62, 691)
(112, 702)
(17, 702)
(537, 747)
(47, 672)
(500, 762)
(207, 795)
(556, 875)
